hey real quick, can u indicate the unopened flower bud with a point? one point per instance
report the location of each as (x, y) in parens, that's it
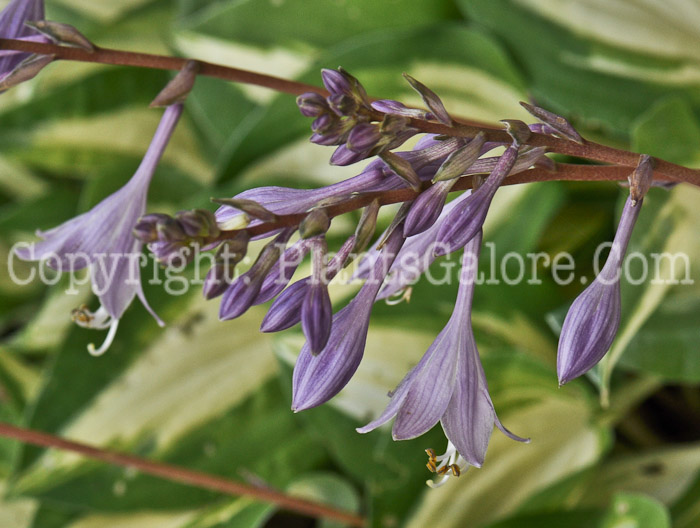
(170, 230)
(431, 100)
(62, 34)
(342, 104)
(177, 90)
(146, 228)
(363, 137)
(315, 223)
(26, 70)
(641, 179)
(312, 104)
(249, 207)
(198, 223)
(461, 159)
(402, 168)
(557, 122)
(518, 130)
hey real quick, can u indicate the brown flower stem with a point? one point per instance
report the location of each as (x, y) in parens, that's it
(564, 172)
(463, 128)
(182, 475)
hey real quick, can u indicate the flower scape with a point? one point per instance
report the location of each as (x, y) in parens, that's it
(448, 385)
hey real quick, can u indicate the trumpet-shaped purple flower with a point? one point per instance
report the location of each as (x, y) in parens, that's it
(102, 240)
(317, 378)
(448, 384)
(594, 317)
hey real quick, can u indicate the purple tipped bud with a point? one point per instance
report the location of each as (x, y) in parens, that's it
(431, 100)
(342, 104)
(594, 317)
(642, 178)
(312, 104)
(336, 82)
(363, 137)
(243, 292)
(426, 209)
(62, 34)
(285, 312)
(177, 90)
(218, 278)
(557, 122)
(316, 317)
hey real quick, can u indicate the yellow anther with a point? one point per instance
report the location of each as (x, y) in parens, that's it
(431, 453)
(455, 470)
(443, 470)
(431, 466)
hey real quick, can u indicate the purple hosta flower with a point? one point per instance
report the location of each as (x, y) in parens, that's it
(316, 309)
(448, 385)
(244, 291)
(102, 239)
(12, 26)
(317, 378)
(594, 317)
(465, 221)
(285, 312)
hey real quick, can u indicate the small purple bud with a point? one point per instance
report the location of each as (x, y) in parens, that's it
(323, 124)
(335, 82)
(312, 104)
(218, 279)
(342, 104)
(285, 312)
(197, 223)
(363, 137)
(169, 230)
(283, 270)
(316, 317)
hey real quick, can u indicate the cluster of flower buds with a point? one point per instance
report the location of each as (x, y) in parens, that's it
(173, 240)
(344, 118)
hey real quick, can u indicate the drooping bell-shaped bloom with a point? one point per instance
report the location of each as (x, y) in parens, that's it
(12, 26)
(102, 240)
(594, 317)
(448, 384)
(317, 378)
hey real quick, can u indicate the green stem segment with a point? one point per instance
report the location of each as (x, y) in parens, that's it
(183, 476)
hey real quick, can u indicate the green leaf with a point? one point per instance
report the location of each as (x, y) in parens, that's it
(636, 511)
(669, 130)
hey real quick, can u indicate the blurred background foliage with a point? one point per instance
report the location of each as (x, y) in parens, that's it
(215, 396)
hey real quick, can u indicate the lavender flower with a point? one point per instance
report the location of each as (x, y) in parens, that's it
(102, 240)
(317, 378)
(448, 385)
(594, 317)
(316, 309)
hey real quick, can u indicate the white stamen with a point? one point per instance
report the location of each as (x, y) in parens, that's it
(99, 320)
(107, 342)
(399, 297)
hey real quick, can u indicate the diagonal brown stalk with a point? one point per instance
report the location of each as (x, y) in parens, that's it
(183, 475)
(464, 128)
